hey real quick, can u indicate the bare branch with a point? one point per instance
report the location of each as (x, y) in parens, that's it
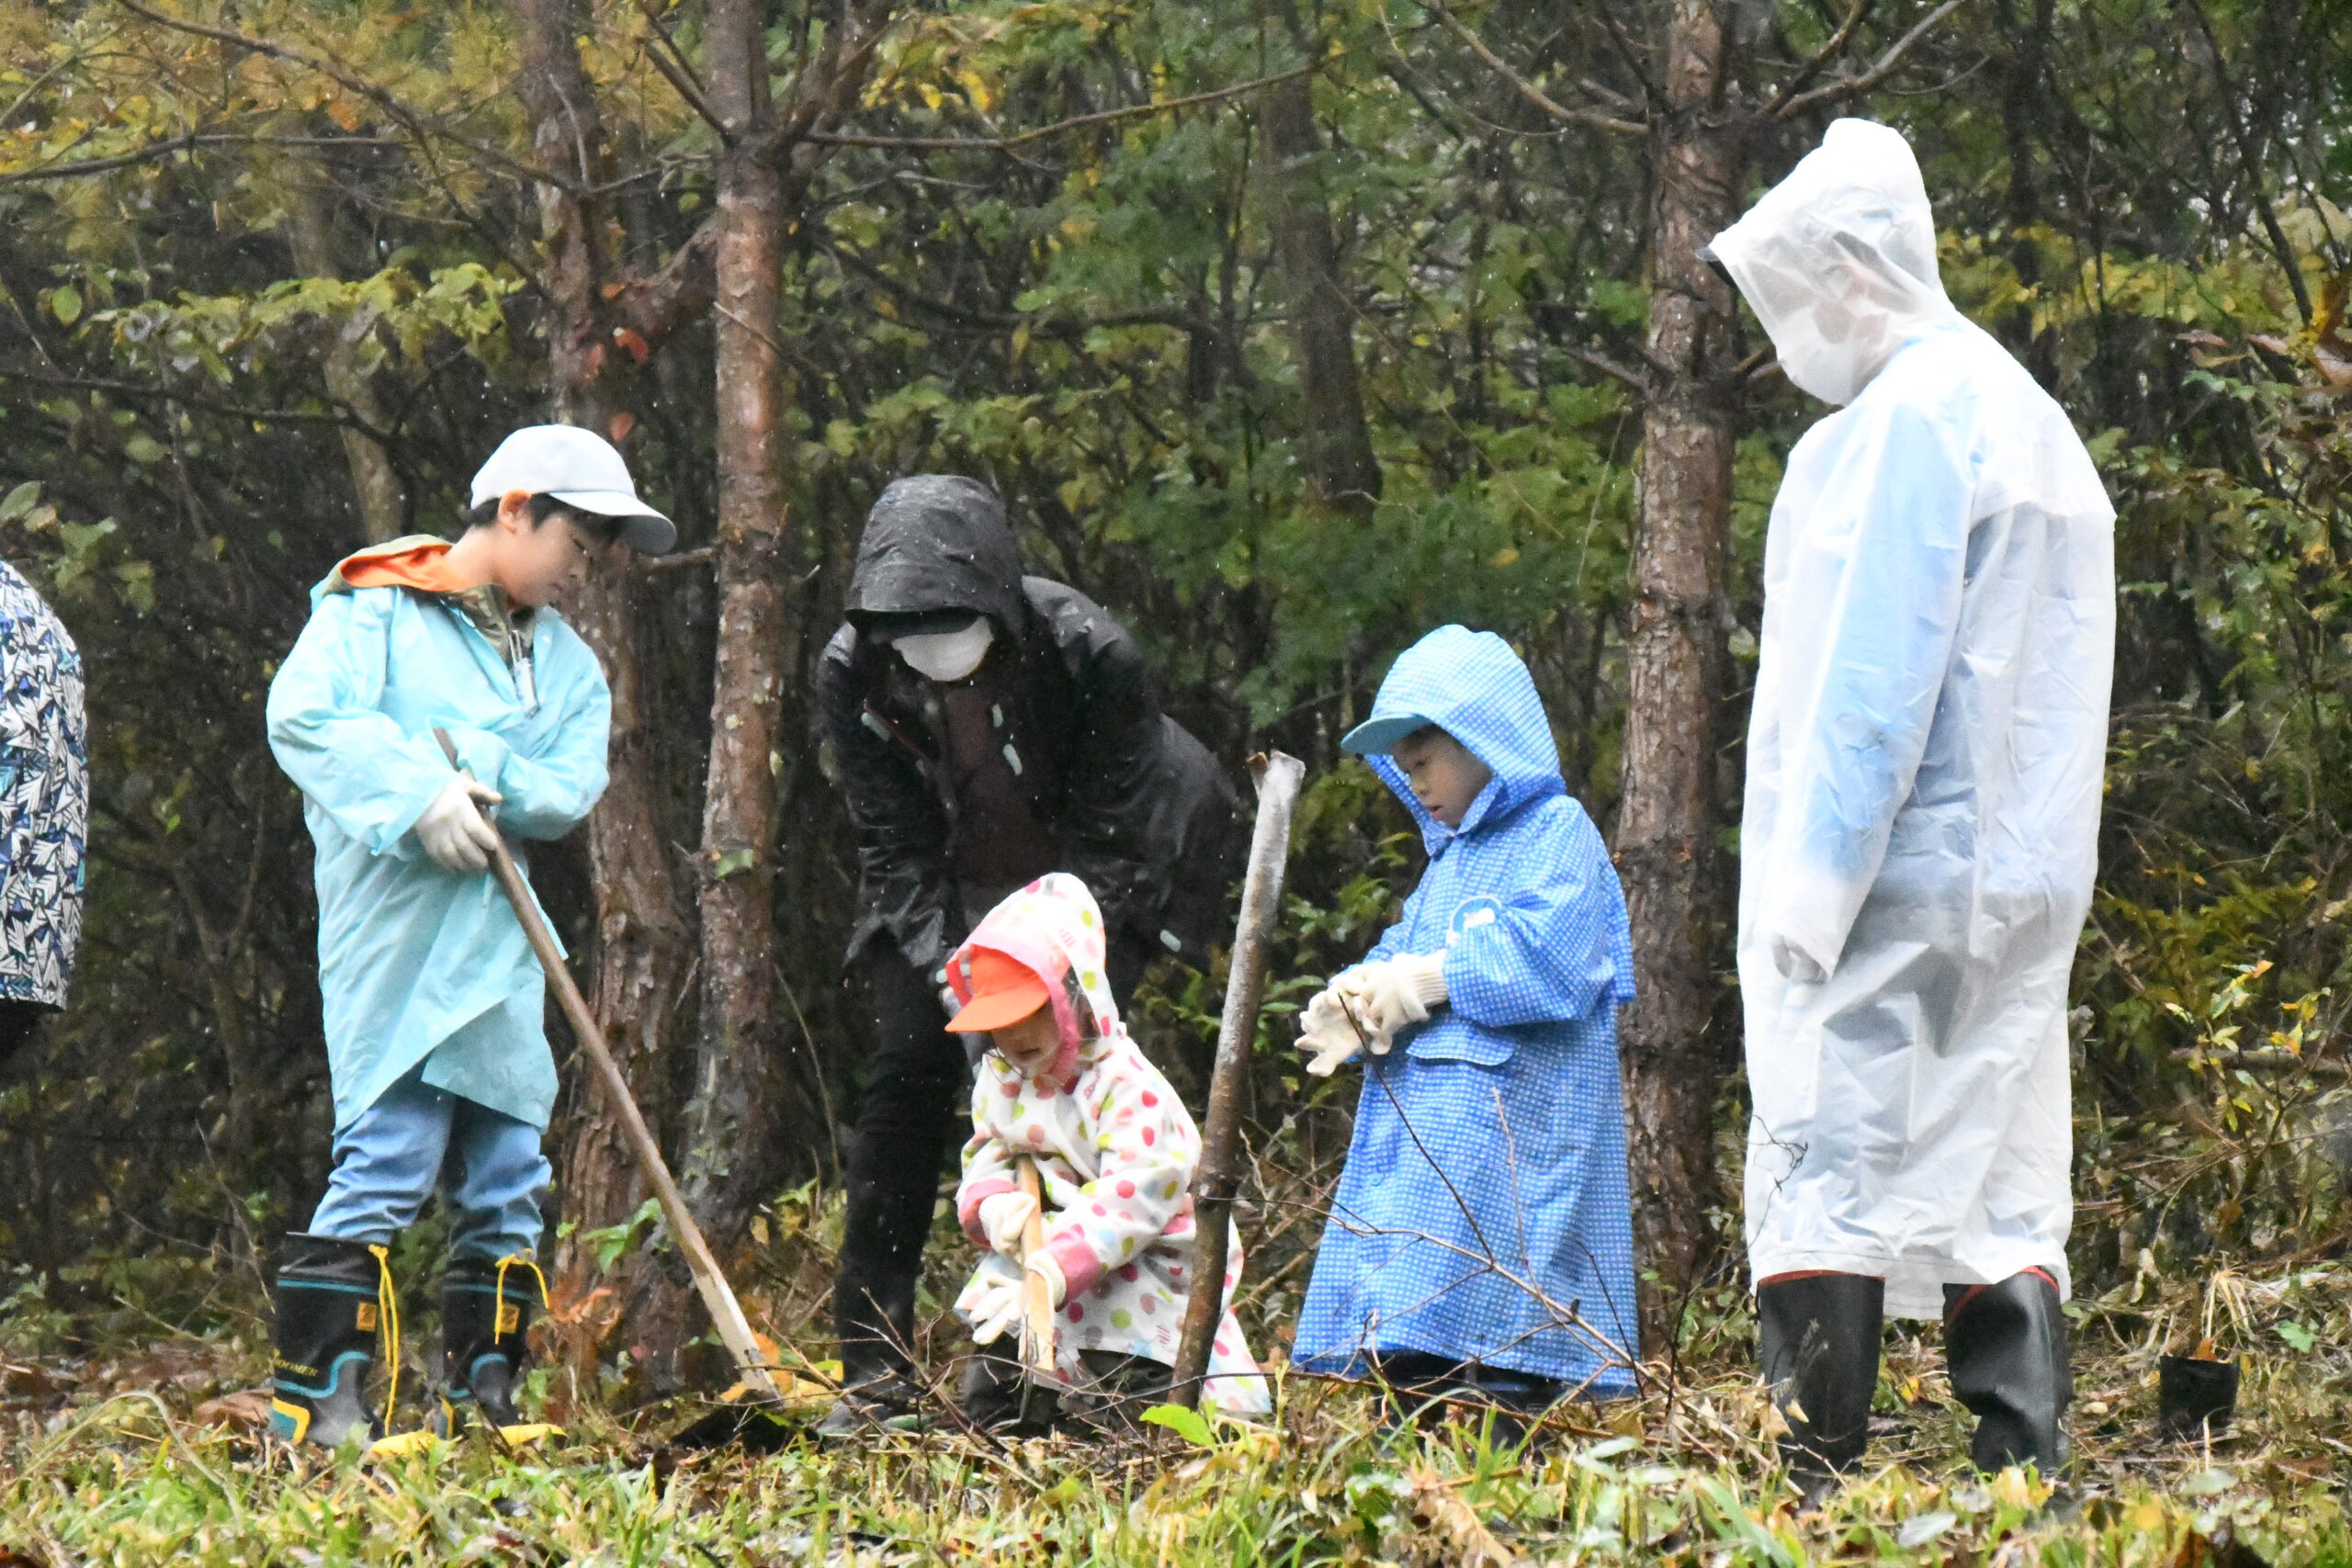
(1639, 383)
(415, 123)
(1847, 87)
(1527, 89)
(657, 306)
(1042, 325)
(1060, 127)
(155, 153)
(676, 69)
(1820, 60)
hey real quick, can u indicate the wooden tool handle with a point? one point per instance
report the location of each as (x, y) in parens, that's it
(718, 1296)
(1037, 1332)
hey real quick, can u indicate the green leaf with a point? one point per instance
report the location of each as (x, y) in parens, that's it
(19, 500)
(143, 449)
(65, 304)
(1189, 1425)
(2296, 1334)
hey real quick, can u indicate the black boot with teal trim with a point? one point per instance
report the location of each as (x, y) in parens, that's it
(486, 1312)
(329, 1317)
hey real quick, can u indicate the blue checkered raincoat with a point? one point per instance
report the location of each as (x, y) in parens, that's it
(1515, 1218)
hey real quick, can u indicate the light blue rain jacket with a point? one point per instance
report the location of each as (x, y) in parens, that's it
(417, 964)
(1512, 1087)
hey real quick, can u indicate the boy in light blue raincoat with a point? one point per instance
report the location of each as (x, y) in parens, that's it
(433, 1001)
(1481, 1240)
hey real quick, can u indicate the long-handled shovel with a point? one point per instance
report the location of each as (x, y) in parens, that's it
(718, 1296)
(1245, 991)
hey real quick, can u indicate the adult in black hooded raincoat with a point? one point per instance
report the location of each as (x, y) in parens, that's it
(988, 726)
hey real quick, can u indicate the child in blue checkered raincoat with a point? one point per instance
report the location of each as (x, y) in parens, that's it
(1480, 1240)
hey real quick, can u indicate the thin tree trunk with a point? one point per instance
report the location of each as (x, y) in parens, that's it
(732, 1147)
(2022, 72)
(375, 483)
(644, 945)
(1676, 668)
(1335, 442)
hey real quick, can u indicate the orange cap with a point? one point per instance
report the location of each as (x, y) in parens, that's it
(1004, 991)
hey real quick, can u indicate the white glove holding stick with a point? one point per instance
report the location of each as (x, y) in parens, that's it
(1003, 1217)
(453, 829)
(1365, 1006)
(995, 1309)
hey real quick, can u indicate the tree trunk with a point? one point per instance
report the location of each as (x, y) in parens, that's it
(1677, 666)
(375, 483)
(1335, 443)
(732, 1147)
(2022, 70)
(644, 945)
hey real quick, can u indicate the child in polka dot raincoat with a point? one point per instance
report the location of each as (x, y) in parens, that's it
(1114, 1150)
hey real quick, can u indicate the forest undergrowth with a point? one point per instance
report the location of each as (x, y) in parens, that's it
(132, 1404)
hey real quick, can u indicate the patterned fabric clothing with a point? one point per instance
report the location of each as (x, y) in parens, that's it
(1114, 1150)
(44, 796)
(1483, 1214)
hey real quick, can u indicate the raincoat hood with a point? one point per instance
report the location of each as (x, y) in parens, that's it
(937, 542)
(1054, 928)
(1471, 685)
(1839, 260)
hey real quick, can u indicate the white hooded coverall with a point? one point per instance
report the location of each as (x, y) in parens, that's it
(1924, 760)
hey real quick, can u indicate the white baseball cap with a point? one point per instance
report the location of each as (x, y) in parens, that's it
(580, 468)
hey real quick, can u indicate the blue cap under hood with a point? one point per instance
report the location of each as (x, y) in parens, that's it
(1471, 685)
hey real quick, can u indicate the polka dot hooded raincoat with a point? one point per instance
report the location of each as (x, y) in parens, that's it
(1114, 1150)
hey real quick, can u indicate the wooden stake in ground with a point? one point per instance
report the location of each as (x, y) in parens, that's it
(718, 1296)
(1037, 1302)
(1215, 1182)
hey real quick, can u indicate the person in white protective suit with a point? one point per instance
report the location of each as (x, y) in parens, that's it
(1920, 825)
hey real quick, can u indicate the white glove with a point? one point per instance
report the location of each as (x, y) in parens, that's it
(453, 829)
(1041, 1263)
(1325, 1032)
(1388, 995)
(991, 1306)
(1004, 1218)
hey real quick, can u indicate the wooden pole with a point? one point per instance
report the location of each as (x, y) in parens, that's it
(1037, 1332)
(718, 1296)
(1218, 1177)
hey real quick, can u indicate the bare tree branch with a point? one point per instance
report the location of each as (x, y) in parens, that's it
(1814, 67)
(1060, 127)
(416, 124)
(2251, 166)
(1526, 89)
(155, 153)
(1847, 87)
(676, 69)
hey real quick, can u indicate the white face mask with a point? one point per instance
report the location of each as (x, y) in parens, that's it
(947, 656)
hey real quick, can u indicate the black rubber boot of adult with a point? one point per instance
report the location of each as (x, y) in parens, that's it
(1820, 1339)
(484, 1338)
(2005, 1347)
(325, 1339)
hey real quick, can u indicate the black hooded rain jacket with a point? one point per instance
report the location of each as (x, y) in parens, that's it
(1137, 807)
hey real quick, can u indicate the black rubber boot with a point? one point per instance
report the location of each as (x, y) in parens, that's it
(2005, 1347)
(484, 1337)
(325, 1335)
(1820, 1338)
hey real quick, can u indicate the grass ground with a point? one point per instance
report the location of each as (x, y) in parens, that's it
(124, 1442)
